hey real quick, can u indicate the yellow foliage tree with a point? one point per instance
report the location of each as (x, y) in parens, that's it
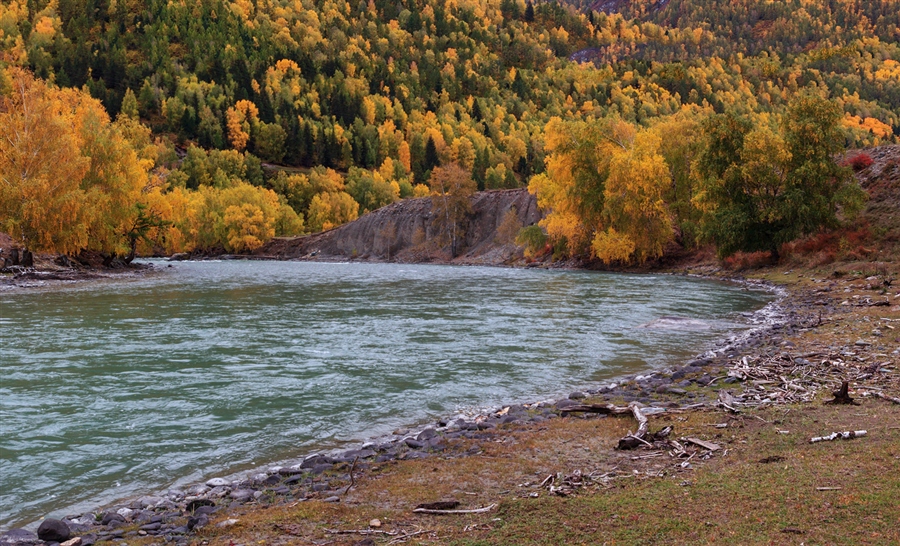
(328, 210)
(239, 120)
(638, 219)
(69, 179)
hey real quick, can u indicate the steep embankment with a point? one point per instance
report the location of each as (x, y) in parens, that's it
(403, 231)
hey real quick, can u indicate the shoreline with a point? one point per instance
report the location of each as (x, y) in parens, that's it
(405, 444)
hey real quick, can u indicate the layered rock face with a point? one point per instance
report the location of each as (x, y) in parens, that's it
(405, 231)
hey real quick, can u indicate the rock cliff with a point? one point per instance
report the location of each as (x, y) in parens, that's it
(403, 232)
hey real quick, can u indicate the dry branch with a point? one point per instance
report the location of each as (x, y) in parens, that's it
(440, 512)
(846, 435)
(883, 396)
(632, 440)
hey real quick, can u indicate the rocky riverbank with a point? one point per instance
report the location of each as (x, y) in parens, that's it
(175, 514)
(820, 331)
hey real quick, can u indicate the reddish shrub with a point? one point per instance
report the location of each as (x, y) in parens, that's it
(859, 161)
(741, 261)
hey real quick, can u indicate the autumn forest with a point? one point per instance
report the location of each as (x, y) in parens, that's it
(162, 126)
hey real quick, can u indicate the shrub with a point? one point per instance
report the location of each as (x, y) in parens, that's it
(859, 161)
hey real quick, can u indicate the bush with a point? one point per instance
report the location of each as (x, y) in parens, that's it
(860, 161)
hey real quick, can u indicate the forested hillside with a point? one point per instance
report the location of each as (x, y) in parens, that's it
(274, 117)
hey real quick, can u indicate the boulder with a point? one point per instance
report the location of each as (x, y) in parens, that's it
(54, 530)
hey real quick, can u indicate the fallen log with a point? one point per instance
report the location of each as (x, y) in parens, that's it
(846, 435)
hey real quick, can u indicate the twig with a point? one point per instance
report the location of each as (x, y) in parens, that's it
(360, 532)
(475, 511)
(828, 488)
(352, 480)
(402, 538)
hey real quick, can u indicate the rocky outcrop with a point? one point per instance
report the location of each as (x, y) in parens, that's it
(403, 232)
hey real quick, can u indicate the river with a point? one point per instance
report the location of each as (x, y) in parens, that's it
(124, 387)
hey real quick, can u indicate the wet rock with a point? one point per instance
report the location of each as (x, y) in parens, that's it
(242, 495)
(218, 492)
(205, 510)
(414, 444)
(577, 395)
(426, 435)
(19, 537)
(109, 517)
(198, 489)
(197, 522)
(125, 513)
(195, 505)
(54, 530)
(314, 460)
(361, 453)
(272, 480)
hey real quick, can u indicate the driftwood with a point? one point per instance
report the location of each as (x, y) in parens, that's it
(883, 396)
(705, 445)
(632, 440)
(440, 512)
(846, 435)
(841, 396)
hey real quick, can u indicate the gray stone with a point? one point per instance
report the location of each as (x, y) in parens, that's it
(319, 468)
(426, 434)
(53, 530)
(242, 495)
(676, 390)
(109, 517)
(577, 395)
(313, 461)
(196, 522)
(217, 482)
(566, 403)
(334, 498)
(19, 537)
(414, 444)
(198, 489)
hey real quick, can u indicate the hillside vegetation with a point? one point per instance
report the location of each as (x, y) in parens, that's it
(276, 117)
